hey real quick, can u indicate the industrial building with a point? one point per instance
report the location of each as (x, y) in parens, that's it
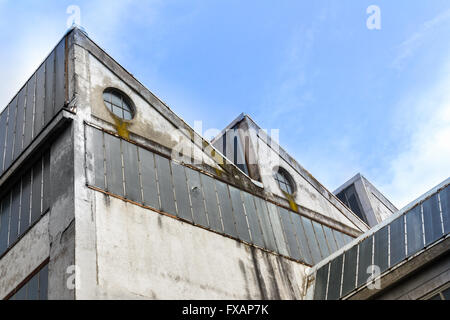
(105, 193)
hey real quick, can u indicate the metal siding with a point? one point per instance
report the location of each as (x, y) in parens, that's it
(33, 288)
(339, 238)
(131, 171)
(12, 108)
(226, 210)
(320, 289)
(334, 281)
(321, 239)
(349, 277)
(289, 232)
(165, 185)
(29, 111)
(114, 175)
(148, 176)
(330, 239)
(43, 283)
(212, 207)
(40, 101)
(196, 195)
(414, 230)
(181, 192)
(36, 201)
(3, 122)
(239, 215)
(46, 182)
(49, 87)
(277, 229)
(444, 197)
(312, 241)
(364, 260)
(432, 220)
(4, 222)
(381, 247)
(301, 237)
(397, 241)
(253, 220)
(25, 203)
(267, 231)
(14, 219)
(60, 79)
(20, 117)
(98, 155)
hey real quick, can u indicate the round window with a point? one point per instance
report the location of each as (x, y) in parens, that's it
(118, 103)
(285, 181)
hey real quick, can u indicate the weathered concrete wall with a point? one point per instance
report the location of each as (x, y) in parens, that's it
(141, 254)
(25, 257)
(62, 218)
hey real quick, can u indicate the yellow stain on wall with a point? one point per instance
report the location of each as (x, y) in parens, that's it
(291, 200)
(122, 128)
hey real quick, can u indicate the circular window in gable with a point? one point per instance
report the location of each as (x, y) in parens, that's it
(118, 103)
(285, 181)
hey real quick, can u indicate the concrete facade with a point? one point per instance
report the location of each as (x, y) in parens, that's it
(368, 202)
(99, 240)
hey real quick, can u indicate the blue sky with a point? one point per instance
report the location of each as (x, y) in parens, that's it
(346, 99)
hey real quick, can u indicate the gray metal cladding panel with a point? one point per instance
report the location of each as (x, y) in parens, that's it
(98, 155)
(46, 182)
(397, 241)
(226, 209)
(39, 100)
(267, 231)
(320, 235)
(253, 220)
(289, 232)
(131, 171)
(339, 238)
(330, 239)
(181, 192)
(3, 122)
(301, 237)
(36, 200)
(212, 207)
(335, 277)
(320, 288)
(196, 194)
(312, 241)
(14, 219)
(49, 87)
(444, 197)
(43, 283)
(114, 175)
(148, 176)
(29, 110)
(165, 185)
(364, 260)
(25, 203)
(60, 66)
(20, 117)
(349, 277)
(432, 220)
(381, 249)
(414, 230)
(277, 229)
(239, 215)
(10, 133)
(33, 288)
(4, 222)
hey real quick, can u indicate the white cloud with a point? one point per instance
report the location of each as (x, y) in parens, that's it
(407, 48)
(424, 160)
